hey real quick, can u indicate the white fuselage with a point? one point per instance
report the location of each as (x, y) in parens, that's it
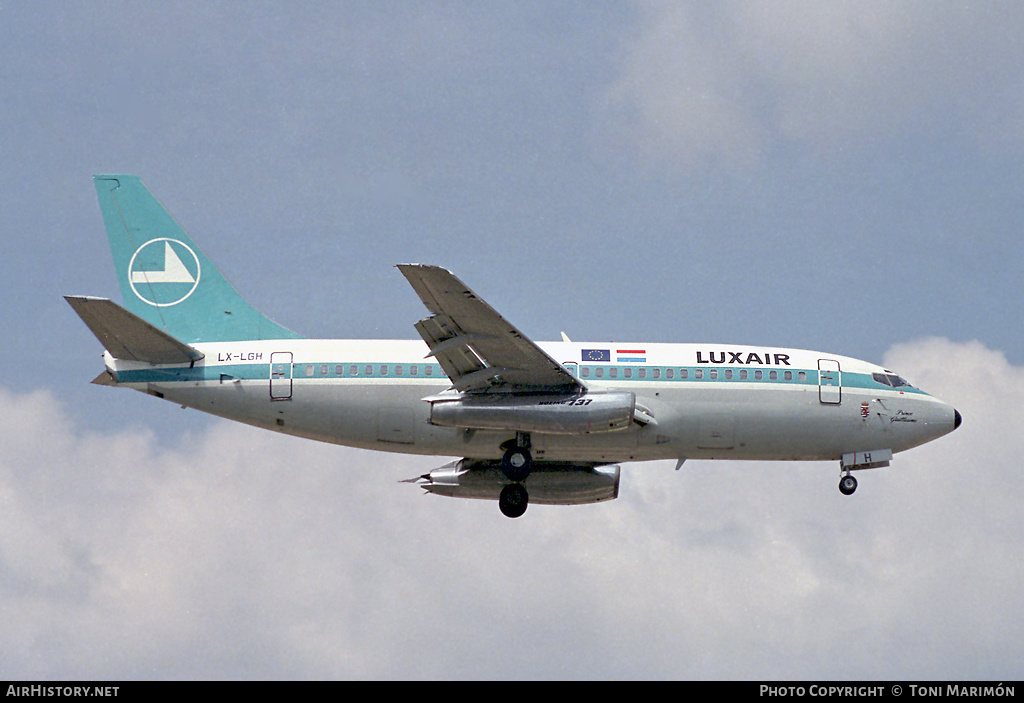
(708, 401)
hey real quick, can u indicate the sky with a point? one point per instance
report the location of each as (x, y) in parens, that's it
(841, 176)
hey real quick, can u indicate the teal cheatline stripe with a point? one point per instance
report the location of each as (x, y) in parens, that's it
(165, 279)
(301, 371)
(343, 370)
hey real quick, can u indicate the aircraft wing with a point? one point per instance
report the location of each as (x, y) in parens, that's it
(478, 348)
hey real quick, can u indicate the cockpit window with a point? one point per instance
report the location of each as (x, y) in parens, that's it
(890, 379)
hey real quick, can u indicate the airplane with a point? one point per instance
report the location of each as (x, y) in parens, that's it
(547, 423)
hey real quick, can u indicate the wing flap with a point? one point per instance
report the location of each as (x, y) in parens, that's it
(447, 346)
(478, 349)
(127, 336)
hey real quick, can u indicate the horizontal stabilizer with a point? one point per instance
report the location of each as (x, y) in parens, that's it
(127, 336)
(105, 379)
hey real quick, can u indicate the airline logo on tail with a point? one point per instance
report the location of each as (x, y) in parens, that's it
(163, 272)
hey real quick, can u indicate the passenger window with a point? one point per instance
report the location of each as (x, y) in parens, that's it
(728, 374)
(339, 370)
(613, 372)
(758, 374)
(353, 370)
(642, 373)
(368, 370)
(309, 369)
(801, 376)
(383, 370)
(656, 373)
(599, 372)
(684, 373)
(585, 372)
(714, 374)
(743, 374)
(788, 375)
(428, 370)
(414, 370)
(398, 370)
(627, 373)
(698, 374)
(773, 375)
(669, 373)
(323, 370)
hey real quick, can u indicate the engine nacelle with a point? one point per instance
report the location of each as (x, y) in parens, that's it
(549, 414)
(549, 483)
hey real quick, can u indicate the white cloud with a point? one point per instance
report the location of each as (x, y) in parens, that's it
(241, 553)
(729, 82)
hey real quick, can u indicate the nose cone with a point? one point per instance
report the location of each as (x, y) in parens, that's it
(956, 419)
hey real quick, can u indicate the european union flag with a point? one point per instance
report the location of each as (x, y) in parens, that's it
(597, 355)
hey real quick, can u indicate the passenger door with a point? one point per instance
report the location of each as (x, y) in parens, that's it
(830, 387)
(281, 376)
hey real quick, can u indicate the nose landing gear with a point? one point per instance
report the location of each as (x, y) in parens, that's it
(874, 459)
(847, 484)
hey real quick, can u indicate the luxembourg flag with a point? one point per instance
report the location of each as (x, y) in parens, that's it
(631, 356)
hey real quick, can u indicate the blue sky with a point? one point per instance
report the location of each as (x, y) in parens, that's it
(838, 176)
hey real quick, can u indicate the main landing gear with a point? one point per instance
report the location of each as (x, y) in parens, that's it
(516, 464)
(517, 461)
(513, 500)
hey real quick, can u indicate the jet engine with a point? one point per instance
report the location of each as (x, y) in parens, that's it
(549, 483)
(549, 414)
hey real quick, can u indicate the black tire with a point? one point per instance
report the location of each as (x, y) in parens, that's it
(513, 500)
(847, 485)
(516, 464)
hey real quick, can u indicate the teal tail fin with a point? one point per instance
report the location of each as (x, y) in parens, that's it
(165, 279)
